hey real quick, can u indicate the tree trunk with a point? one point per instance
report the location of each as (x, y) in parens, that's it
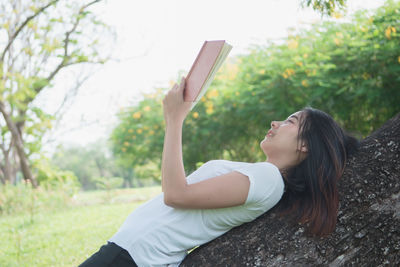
(18, 143)
(6, 167)
(2, 176)
(368, 228)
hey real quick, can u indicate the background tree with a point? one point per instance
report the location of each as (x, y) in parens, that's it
(329, 7)
(99, 163)
(137, 140)
(39, 39)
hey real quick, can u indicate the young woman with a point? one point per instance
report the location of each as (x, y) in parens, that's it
(306, 155)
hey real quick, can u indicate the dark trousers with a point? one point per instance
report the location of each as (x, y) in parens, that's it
(110, 255)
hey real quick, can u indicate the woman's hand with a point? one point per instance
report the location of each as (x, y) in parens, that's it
(175, 108)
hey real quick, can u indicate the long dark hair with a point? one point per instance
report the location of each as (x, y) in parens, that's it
(311, 194)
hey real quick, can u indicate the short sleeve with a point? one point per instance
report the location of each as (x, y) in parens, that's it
(266, 184)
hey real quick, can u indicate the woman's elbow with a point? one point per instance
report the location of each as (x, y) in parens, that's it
(173, 201)
(167, 200)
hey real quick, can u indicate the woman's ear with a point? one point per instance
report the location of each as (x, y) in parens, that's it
(304, 148)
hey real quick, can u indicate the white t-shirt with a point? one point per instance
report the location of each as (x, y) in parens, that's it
(158, 235)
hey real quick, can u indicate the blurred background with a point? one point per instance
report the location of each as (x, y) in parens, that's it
(82, 83)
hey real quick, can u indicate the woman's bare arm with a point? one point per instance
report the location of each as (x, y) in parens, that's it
(227, 190)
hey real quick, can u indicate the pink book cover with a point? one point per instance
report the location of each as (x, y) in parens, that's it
(201, 67)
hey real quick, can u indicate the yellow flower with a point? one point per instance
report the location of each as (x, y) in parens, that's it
(126, 143)
(305, 55)
(209, 104)
(28, 51)
(366, 76)
(393, 29)
(311, 73)
(337, 15)
(337, 41)
(123, 149)
(137, 115)
(304, 83)
(195, 115)
(237, 93)
(299, 63)
(371, 19)
(139, 131)
(261, 71)
(398, 59)
(287, 73)
(209, 110)
(212, 93)
(147, 108)
(364, 29)
(203, 99)
(151, 132)
(388, 32)
(130, 131)
(293, 44)
(145, 128)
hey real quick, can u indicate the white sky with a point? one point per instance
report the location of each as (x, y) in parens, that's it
(155, 40)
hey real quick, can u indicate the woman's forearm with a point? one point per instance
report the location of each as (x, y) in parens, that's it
(173, 173)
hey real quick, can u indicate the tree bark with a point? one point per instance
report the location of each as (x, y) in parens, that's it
(368, 228)
(6, 168)
(26, 171)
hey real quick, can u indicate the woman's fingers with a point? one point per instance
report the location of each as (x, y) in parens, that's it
(182, 84)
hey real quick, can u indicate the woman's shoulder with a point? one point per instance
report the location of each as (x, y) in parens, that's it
(240, 163)
(230, 165)
(226, 163)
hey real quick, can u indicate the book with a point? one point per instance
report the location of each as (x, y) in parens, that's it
(210, 58)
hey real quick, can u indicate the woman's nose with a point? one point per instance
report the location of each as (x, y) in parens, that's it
(274, 124)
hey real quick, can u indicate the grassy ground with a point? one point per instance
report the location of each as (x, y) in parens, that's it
(66, 237)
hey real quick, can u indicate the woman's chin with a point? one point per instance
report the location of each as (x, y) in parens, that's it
(264, 144)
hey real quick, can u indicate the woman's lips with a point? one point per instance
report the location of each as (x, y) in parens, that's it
(270, 133)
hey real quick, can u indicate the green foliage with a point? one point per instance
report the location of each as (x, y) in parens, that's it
(97, 163)
(148, 174)
(56, 190)
(140, 131)
(108, 183)
(329, 7)
(51, 177)
(23, 199)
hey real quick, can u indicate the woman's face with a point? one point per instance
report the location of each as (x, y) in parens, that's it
(281, 140)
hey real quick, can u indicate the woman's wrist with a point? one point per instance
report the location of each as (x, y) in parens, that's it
(174, 122)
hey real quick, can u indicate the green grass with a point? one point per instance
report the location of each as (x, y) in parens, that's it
(68, 236)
